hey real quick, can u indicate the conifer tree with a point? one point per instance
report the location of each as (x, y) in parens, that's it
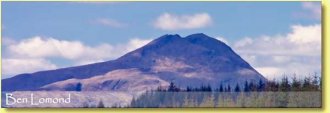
(221, 88)
(315, 82)
(296, 85)
(261, 86)
(252, 86)
(246, 86)
(284, 86)
(307, 84)
(228, 88)
(173, 88)
(237, 89)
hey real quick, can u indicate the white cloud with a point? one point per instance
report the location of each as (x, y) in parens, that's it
(136, 43)
(305, 34)
(169, 21)
(303, 40)
(109, 22)
(296, 52)
(47, 47)
(40, 47)
(281, 59)
(35, 51)
(114, 52)
(12, 66)
(311, 10)
(269, 72)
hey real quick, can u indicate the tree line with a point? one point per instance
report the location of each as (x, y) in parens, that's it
(286, 92)
(285, 84)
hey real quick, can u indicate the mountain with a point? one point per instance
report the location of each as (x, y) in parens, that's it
(190, 61)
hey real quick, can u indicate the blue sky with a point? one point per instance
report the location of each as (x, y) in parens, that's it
(73, 20)
(115, 25)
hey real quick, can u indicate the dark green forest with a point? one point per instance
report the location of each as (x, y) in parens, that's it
(286, 92)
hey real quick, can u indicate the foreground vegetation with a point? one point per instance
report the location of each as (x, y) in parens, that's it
(287, 92)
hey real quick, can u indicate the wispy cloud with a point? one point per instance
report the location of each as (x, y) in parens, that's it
(314, 9)
(169, 21)
(110, 22)
(311, 10)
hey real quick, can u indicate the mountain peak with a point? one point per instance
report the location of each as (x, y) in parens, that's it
(200, 35)
(170, 36)
(166, 38)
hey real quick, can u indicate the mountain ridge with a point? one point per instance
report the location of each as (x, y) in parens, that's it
(192, 60)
